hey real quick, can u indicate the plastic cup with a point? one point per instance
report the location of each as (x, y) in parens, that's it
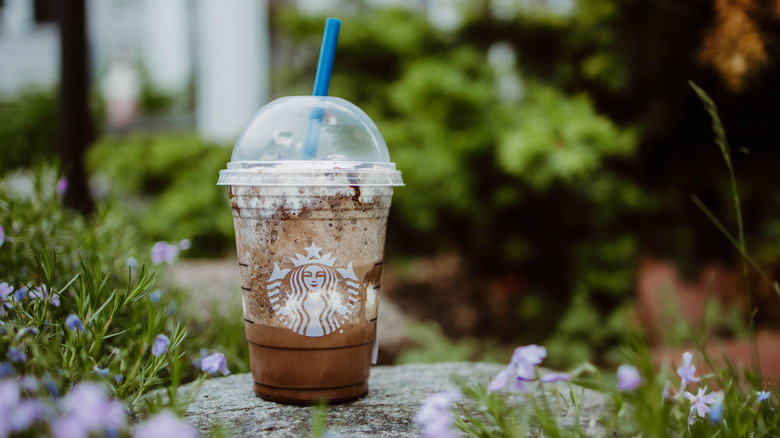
(310, 239)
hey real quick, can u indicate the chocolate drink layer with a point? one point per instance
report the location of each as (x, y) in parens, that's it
(311, 265)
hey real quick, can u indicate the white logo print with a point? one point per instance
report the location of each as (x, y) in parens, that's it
(315, 303)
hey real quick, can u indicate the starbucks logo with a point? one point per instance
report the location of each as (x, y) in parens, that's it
(313, 298)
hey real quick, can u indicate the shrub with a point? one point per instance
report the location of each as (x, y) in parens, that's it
(78, 305)
(28, 132)
(167, 185)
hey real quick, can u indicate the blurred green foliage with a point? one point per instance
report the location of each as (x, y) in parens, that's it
(28, 129)
(430, 345)
(556, 138)
(152, 101)
(560, 147)
(33, 219)
(495, 179)
(167, 184)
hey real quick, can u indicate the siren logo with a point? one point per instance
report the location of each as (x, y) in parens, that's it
(313, 298)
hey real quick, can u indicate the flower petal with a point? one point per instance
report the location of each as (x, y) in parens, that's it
(160, 346)
(499, 382)
(628, 378)
(530, 354)
(702, 409)
(518, 385)
(555, 377)
(165, 425)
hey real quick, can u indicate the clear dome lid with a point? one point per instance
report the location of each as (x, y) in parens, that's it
(310, 140)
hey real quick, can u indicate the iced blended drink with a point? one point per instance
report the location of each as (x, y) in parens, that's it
(310, 238)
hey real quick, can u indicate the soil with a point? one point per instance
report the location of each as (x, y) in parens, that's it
(463, 303)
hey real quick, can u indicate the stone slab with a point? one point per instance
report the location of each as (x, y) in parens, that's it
(395, 395)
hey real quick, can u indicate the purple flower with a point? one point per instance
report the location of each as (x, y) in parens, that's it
(74, 323)
(628, 378)
(28, 383)
(172, 308)
(164, 252)
(25, 414)
(86, 410)
(51, 386)
(62, 185)
(525, 360)
(9, 399)
(20, 294)
(716, 413)
(555, 377)
(27, 330)
(214, 363)
(155, 295)
(2, 236)
(17, 355)
(165, 425)
(132, 263)
(5, 301)
(434, 415)
(6, 370)
(160, 347)
(687, 370)
(499, 382)
(5, 290)
(16, 414)
(763, 396)
(100, 371)
(9, 392)
(203, 353)
(522, 368)
(699, 403)
(185, 244)
(42, 293)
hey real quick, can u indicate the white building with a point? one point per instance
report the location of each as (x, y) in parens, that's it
(225, 42)
(29, 46)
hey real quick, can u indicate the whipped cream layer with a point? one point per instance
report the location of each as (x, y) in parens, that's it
(310, 173)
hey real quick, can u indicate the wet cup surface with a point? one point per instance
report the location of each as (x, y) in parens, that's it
(310, 239)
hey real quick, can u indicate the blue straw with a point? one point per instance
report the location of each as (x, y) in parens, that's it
(327, 51)
(321, 84)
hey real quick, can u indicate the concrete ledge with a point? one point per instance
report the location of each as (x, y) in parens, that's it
(395, 394)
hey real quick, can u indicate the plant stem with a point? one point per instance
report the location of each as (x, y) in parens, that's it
(722, 142)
